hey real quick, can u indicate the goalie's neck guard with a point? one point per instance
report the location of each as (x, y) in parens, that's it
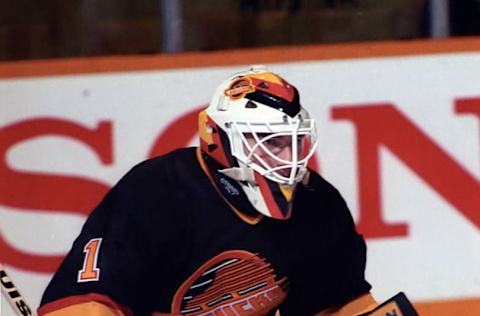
(252, 197)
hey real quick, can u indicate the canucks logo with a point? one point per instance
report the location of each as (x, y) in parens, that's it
(232, 283)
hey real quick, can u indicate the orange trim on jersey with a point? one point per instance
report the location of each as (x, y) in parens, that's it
(78, 302)
(247, 219)
(358, 305)
(264, 55)
(88, 308)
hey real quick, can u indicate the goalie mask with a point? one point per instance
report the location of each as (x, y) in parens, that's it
(256, 140)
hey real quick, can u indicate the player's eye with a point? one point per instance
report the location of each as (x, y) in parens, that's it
(275, 142)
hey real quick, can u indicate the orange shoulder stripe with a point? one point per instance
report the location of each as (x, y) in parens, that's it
(87, 304)
(358, 305)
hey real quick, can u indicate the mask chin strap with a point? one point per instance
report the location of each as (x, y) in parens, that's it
(240, 174)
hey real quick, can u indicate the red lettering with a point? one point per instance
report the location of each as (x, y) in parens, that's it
(468, 105)
(382, 124)
(51, 192)
(177, 134)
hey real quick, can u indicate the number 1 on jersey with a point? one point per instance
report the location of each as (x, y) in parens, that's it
(90, 271)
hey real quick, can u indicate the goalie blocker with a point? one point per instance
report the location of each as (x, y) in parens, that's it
(398, 305)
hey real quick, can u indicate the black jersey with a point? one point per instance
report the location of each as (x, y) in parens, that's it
(164, 241)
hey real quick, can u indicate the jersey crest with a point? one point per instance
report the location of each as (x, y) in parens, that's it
(235, 282)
